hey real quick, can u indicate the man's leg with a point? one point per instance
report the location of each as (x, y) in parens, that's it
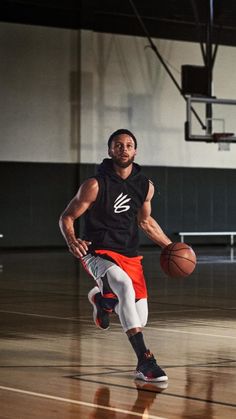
(130, 313)
(103, 305)
(133, 316)
(97, 267)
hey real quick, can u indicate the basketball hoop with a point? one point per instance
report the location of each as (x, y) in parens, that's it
(223, 140)
(221, 137)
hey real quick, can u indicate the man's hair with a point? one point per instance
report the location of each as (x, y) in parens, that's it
(120, 132)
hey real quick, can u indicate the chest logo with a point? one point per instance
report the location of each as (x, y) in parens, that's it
(120, 201)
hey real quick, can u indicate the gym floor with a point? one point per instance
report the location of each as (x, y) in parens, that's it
(56, 364)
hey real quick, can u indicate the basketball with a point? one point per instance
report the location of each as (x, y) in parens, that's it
(178, 260)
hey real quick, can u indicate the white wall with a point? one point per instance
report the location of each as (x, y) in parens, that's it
(44, 117)
(37, 110)
(125, 85)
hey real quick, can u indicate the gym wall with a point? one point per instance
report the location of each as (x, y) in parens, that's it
(34, 194)
(64, 92)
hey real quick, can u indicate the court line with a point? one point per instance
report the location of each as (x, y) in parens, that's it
(184, 310)
(76, 319)
(118, 325)
(119, 371)
(42, 315)
(79, 402)
(164, 393)
(191, 333)
(161, 302)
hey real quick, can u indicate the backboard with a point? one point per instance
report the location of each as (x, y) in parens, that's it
(211, 120)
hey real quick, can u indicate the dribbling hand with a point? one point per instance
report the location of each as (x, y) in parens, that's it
(78, 247)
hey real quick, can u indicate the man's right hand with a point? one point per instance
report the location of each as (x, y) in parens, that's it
(78, 247)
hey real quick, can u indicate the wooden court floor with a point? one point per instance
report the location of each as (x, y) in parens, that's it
(54, 363)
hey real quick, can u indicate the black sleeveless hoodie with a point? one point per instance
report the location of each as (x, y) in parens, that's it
(111, 223)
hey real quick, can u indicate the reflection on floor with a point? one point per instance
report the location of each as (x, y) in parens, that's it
(55, 364)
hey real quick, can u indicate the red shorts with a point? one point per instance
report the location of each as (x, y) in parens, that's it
(133, 267)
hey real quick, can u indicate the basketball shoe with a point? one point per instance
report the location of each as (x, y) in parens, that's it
(100, 315)
(148, 370)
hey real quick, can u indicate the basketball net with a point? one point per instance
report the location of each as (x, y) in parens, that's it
(219, 123)
(219, 136)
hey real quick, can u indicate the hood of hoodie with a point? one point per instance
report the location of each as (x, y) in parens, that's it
(106, 168)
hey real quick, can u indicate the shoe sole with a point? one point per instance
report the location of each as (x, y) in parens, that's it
(140, 376)
(152, 386)
(91, 296)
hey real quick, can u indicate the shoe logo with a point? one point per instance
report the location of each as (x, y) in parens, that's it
(119, 205)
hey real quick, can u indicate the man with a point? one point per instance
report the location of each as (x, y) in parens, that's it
(115, 203)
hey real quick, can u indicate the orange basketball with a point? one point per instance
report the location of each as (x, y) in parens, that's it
(178, 260)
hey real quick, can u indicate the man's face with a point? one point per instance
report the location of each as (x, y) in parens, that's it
(122, 150)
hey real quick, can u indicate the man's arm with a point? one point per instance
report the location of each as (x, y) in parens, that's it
(82, 201)
(150, 227)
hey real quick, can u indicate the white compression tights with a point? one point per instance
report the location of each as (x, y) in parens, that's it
(131, 314)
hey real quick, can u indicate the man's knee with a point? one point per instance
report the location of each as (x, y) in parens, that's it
(142, 309)
(143, 322)
(119, 280)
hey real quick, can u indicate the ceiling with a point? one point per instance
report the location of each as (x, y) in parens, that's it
(170, 19)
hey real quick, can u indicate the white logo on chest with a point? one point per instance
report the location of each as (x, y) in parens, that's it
(120, 201)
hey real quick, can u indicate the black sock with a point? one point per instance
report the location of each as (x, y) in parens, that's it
(138, 344)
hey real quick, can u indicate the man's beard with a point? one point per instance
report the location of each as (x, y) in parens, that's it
(121, 163)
